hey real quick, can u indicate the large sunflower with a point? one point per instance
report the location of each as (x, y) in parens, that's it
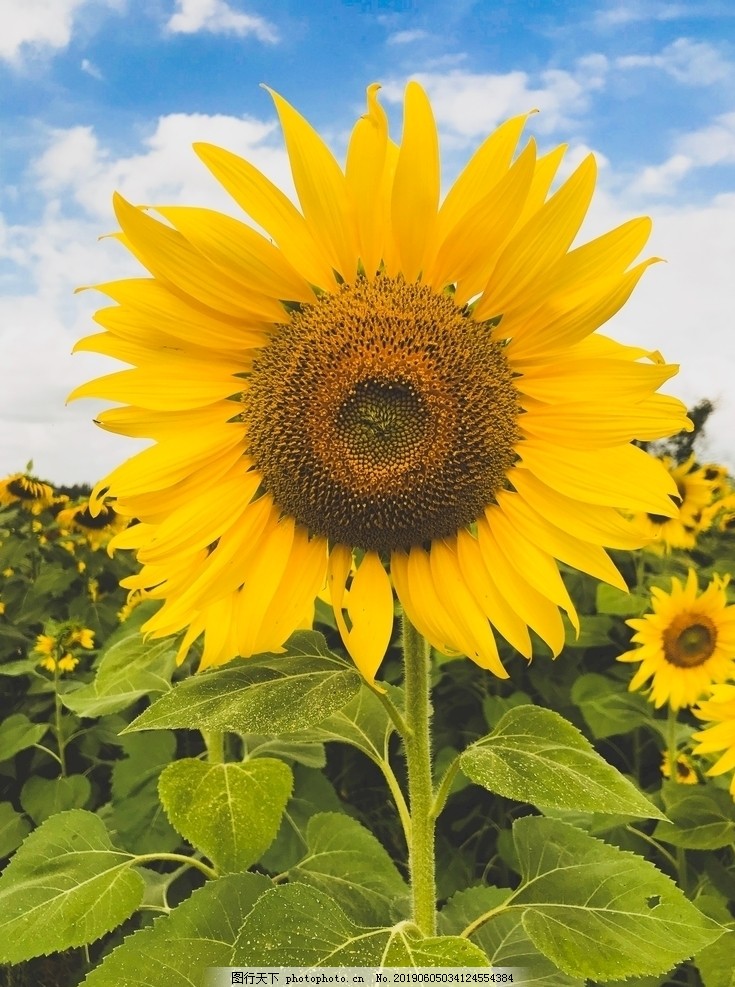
(686, 644)
(383, 392)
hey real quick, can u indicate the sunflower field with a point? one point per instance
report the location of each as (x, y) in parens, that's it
(409, 642)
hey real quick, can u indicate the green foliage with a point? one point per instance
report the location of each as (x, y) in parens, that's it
(231, 812)
(534, 755)
(256, 813)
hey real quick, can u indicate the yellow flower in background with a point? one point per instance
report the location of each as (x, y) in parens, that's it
(383, 385)
(719, 735)
(45, 644)
(2, 607)
(97, 528)
(67, 663)
(82, 636)
(28, 491)
(695, 489)
(686, 644)
(684, 774)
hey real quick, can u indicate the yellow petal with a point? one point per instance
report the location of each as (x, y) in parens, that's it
(264, 573)
(483, 171)
(370, 607)
(271, 210)
(488, 595)
(541, 242)
(365, 173)
(451, 586)
(322, 190)
(170, 257)
(624, 477)
(241, 252)
(301, 581)
(416, 184)
(530, 605)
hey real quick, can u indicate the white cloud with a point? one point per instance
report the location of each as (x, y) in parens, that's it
(703, 148)
(694, 63)
(91, 69)
(406, 37)
(43, 262)
(217, 17)
(30, 26)
(618, 14)
(469, 105)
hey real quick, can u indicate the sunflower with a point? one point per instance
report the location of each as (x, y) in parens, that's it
(686, 644)
(684, 774)
(98, 527)
(384, 393)
(719, 710)
(696, 487)
(26, 490)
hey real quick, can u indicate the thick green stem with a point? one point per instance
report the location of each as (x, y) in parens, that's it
(417, 742)
(215, 743)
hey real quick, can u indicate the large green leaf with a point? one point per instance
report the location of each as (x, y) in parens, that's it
(67, 885)
(701, 817)
(614, 601)
(231, 812)
(17, 733)
(608, 707)
(363, 722)
(42, 797)
(177, 949)
(267, 695)
(349, 864)
(296, 925)
(600, 912)
(503, 939)
(128, 670)
(715, 962)
(535, 755)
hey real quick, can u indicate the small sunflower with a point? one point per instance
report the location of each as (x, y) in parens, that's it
(98, 528)
(53, 648)
(686, 644)
(383, 393)
(719, 735)
(696, 487)
(26, 490)
(684, 774)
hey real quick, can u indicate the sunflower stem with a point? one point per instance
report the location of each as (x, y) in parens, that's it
(215, 744)
(417, 743)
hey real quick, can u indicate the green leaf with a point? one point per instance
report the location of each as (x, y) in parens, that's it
(42, 797)
(130, 669)
(594, 631)
(17, 733)
(363, 723)
(14, 827)
(178, 948)
(66, 886)
(600, 912)
(503, 939)
(614, 601)
(608, 707)
(535, 755)
(701, 817)
(231, 812)
(136, 814)
(292, 747)
(312, 793)
(714, 962)
(267, 695)
(349, 864)
(296, 925)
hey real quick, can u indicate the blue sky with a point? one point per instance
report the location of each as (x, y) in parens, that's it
(99, 95)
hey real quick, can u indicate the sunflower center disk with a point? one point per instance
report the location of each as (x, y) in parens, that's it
(382, 416)
(688, 644)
